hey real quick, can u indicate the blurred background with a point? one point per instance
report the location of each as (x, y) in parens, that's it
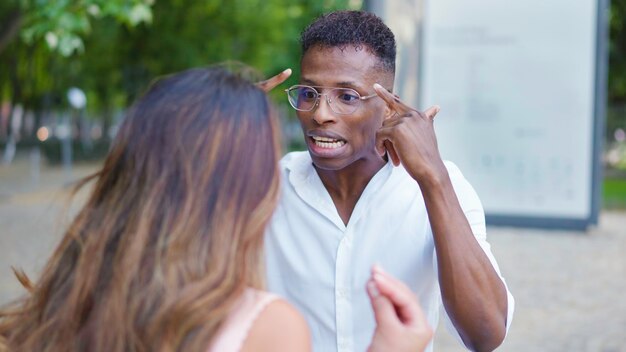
(70, 69)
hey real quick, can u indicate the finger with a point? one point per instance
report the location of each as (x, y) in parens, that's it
(392, 282)
(384, 142)
(392, 121)
(384, 312)
(407, 309)
(272, 82)
(381, 136)
(392, 152)
(393, 101)
(401, 297)
(380, 148)
(432, 111)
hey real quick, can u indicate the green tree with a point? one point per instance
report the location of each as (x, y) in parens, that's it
(101, 47)
(617, 52)
(36, 38)
(187, 33)
(64, 23)
(616, 113)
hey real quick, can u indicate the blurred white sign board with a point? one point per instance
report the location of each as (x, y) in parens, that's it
(521, 87)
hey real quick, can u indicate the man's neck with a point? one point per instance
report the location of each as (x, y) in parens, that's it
(345, 186)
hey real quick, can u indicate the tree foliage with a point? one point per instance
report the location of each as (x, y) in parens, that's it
(64, 23)
(617, 52)
(113, 48)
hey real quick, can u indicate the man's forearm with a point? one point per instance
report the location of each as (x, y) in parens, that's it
(473, 294)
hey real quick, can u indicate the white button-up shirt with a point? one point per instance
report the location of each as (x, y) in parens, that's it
(322, 265)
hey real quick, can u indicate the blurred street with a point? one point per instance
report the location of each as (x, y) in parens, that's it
(569, 287)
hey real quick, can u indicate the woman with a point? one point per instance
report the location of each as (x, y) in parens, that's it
(166, 255)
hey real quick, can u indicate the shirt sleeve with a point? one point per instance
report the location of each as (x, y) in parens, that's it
(473, 209)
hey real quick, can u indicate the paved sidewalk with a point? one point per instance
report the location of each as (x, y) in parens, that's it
(33, 213)
(569, 287)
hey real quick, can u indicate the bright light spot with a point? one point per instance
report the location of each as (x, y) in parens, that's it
(43, 134)
(355, 4)
(77, 98)
(140, 13)
(613, 157)
(52, 40)
(620, 135)
(94, 10)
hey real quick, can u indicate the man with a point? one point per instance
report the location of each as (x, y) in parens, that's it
(372, 188)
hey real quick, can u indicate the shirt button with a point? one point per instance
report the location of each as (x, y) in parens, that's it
(343, 344)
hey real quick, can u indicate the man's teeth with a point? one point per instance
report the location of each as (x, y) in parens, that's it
(326, 142)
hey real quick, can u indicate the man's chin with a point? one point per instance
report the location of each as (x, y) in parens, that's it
(345, 162)
(329, 164)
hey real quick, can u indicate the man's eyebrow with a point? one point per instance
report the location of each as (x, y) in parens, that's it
(349, 84)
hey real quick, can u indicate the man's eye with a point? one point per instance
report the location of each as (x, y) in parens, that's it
(348, 97)
(308, 94)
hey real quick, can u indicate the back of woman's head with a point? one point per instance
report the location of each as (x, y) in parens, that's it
(173, 229)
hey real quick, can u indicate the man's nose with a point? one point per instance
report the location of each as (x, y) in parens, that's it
(323, 113)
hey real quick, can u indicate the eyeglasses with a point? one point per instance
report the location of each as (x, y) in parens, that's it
(343, 101)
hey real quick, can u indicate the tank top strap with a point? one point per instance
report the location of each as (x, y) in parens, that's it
(235, 329)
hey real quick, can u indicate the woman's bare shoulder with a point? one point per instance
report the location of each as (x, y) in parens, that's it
(279, 327)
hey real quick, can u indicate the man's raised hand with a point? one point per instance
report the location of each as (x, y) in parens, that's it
(409, 137)
(274, 81)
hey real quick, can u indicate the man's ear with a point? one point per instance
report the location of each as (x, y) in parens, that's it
(389, 112)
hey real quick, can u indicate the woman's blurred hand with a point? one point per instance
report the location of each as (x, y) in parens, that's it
(401, 324)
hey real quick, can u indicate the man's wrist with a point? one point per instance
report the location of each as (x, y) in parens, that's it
(435, 178)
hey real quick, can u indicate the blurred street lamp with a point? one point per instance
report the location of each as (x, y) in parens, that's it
(78, 101)
(43, 133)
(77, 98)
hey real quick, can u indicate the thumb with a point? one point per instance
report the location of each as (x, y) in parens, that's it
(432, 111)
(384, 312)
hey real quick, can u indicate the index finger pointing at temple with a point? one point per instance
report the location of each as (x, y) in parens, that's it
(394, 102)
(272, 82)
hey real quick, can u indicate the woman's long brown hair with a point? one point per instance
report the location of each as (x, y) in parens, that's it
(172, 232)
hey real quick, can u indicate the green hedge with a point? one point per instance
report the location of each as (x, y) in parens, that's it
(52, 150)
(614, 193)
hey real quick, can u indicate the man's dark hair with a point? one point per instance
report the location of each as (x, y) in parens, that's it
(358, 28)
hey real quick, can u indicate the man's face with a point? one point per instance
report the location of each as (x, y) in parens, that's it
(337, 141)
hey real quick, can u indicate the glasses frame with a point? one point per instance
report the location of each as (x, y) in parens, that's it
(328, 100)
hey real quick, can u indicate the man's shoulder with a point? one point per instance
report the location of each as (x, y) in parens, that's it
(451, 167)
(404, 181)
(453, 171)
(295, 160)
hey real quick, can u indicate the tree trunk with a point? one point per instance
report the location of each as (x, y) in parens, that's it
(107, 113)
(9, 28)
(11, 145)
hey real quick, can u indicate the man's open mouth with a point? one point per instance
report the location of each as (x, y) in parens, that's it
(329, 143)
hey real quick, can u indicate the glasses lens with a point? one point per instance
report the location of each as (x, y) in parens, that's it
(344, 100)
(302, 98)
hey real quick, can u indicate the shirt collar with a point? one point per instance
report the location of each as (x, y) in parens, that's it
(308, 185)
(300, 170)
